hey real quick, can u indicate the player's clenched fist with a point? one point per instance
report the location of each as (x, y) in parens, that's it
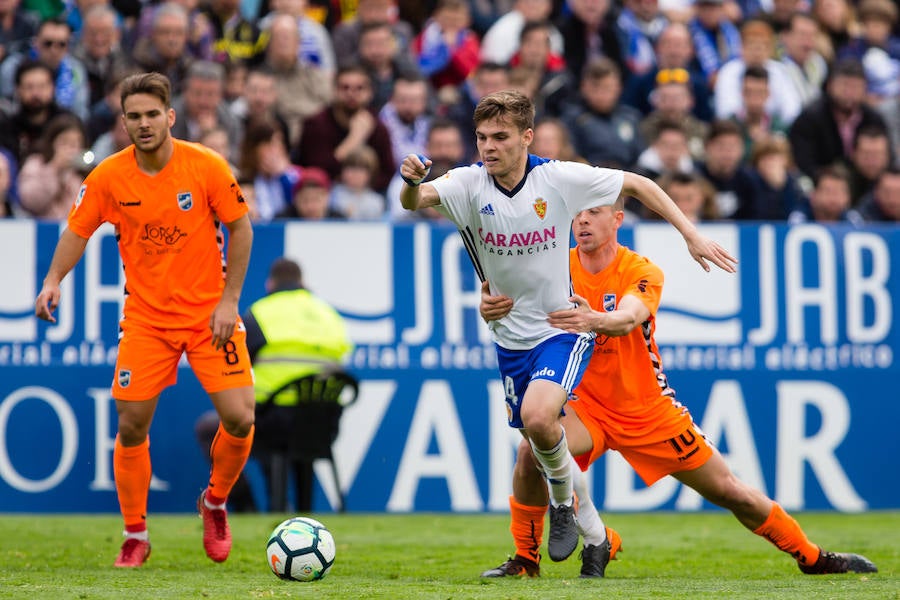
(414, 168)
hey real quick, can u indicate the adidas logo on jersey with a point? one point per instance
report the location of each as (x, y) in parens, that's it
(487, 210)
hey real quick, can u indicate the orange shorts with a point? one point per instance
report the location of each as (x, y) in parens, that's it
(682, 446)
(148, 360)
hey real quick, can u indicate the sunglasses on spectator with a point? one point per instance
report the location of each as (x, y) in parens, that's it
(51, 43)
(672, 76)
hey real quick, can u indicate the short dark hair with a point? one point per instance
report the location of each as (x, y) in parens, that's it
(153, 84)
(509, 105)
(28, 65)
(833, 171)
(54, 128)
(756, 72)
(284, 271)
(599, 68)
(720, 127)
(847, 67)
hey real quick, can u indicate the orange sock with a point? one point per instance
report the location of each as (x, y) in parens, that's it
(527, 528)
(229, 455)
(132, 472)
(782, 530)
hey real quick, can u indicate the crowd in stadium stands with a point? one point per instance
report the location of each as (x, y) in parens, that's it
(778, 110)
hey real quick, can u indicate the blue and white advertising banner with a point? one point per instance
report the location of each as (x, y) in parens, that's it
(788, 366)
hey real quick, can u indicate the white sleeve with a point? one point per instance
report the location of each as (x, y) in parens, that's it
(584, 186)
(727, 96)
(455, 190)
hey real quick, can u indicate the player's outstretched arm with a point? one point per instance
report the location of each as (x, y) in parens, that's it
(68, 252)
(224, 317)
(414, 194)
(629, 313)
(492, 307)
(701, 247)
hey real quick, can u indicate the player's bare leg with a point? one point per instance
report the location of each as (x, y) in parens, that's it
(765, 517)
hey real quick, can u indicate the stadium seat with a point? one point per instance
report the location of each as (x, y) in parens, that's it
(302, 432)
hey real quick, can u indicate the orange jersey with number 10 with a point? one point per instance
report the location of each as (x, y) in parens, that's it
(624, 385)
(168, 227)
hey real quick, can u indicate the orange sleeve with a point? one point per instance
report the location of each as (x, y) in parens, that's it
(643, 280)
(87, 212)
(225, 195)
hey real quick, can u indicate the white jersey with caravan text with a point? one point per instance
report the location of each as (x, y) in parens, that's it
(519, 239)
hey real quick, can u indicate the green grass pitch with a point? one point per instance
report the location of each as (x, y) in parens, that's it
(439, 556)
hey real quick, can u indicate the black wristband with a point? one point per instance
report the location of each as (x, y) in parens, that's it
(409, 181)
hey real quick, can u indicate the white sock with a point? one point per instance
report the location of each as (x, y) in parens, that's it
(208, 504)
(138, 535)
(556, 463)
(588, 520)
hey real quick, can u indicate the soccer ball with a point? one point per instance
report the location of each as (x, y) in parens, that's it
(300, 549)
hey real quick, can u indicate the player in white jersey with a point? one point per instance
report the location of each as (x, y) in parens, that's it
(514, 212)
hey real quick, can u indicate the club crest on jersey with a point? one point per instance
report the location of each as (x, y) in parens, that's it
(185, 201)
(540, 208)
(609, 302)
(124, 377)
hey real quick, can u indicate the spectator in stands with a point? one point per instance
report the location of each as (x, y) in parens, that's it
(379, 54)
(776, 191)
(311, 198)
(724, 167)
(672, 101)
(17, 27)
(882, 204)
(805, 65)
(604, 131)
(235, 39)
(890, 113)
(693, 194)
(486, 12)
(345, 35)
(50, 178)
(302, 90)
(406, 116)
(552, 140)
(445, 148)
(51, 47)
(346, 124)
(200, 35)
(6, 186)
(201, 106)
(638, 27)
(829, 201)
(259, 101)
(501, 41)
(668, 152)
(352, 194)
(485, 79)
(35, 107)
(778, 16)
(112, 140)
(877, 49)
(265, 161)
(674, 56)
(553, 84)
(824, 131)
(99, 51)
(758, 49)
(757, 125)
(316, 49)
(589, 31)
(165, 48)
(871, 157)
(837, 20)
(716, 39)
(447, 49)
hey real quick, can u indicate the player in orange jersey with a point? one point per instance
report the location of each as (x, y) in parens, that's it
(624, 403)
(166, 199)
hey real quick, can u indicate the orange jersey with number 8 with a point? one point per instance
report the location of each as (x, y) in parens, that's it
(168, 227)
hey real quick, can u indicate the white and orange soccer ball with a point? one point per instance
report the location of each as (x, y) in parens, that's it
(300, 549)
